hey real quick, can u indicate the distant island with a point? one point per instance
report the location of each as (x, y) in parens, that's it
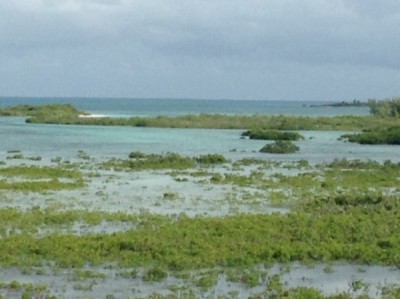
(354, 103)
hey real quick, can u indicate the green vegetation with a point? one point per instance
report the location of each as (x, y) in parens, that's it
(137, 155)
(354, 103)
(39, 179)
(208, 280)
(26, 290)
(18, 155)
(211, 121)
(358, 234)
(67, 114)
(46, 113)
(211, 159)
(82, 275)
(250, 277)
(386, 108)
(351, 179)
(155, 274)
(381, 136)
(275, 289)
(272, 135)
(280, 147)
(14, 221)
(140, 161)
(342, 211)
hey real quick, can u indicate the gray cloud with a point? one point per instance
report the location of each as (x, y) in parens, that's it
(276, 49)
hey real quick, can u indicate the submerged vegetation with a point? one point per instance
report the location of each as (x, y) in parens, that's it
(343, 211)
(364, 232)
(39, 179)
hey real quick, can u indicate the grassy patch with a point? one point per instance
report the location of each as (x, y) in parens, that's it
(67, 114)
(140, 161)
(382, 136)
(39, 179)
(272, 135)
(358, 233)
(280, 147)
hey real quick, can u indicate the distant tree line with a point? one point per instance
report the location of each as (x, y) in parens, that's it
(385, 108)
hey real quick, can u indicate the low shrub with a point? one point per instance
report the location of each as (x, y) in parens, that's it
(280, 147)
(137, 155)
(211, 159)
(272, 135)
(155, 274)
(388, 136)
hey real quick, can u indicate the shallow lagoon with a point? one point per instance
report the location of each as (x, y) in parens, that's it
(49, 141)
(112, 191)
(107, 280)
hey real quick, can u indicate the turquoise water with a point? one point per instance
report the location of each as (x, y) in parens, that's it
(135, 192)
(171, 107)
(50, 141)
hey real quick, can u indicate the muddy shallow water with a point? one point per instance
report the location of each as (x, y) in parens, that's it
(147, 191)
(72, 284)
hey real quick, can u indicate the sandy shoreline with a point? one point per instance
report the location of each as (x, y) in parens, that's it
(92, 115)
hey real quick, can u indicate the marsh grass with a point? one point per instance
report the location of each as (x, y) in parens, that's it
(357, 234)
(248, 277)
(139, 161)
(39, 179)
(207, 280)
(276, 288)
(155, 274)
(26, 290)
(66, 114)
(345, 210)
(150, 162)
(48, 112)
(82, 275)
(354, 180)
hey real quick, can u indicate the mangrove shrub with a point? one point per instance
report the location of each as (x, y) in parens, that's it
(280, 147)
(272, 135)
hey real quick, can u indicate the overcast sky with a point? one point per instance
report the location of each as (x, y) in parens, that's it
(235, 49)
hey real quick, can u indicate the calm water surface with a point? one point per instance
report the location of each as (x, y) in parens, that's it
(172, 107)
(50, 141)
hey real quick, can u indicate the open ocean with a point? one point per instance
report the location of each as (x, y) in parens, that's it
(49, 141)
(171, 107)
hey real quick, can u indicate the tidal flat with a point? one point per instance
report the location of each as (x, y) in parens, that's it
(108, 210)
(207, 226)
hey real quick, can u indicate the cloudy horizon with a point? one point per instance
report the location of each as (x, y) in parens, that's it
(256, 49)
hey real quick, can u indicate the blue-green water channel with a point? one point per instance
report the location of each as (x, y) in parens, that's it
(50, 141)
